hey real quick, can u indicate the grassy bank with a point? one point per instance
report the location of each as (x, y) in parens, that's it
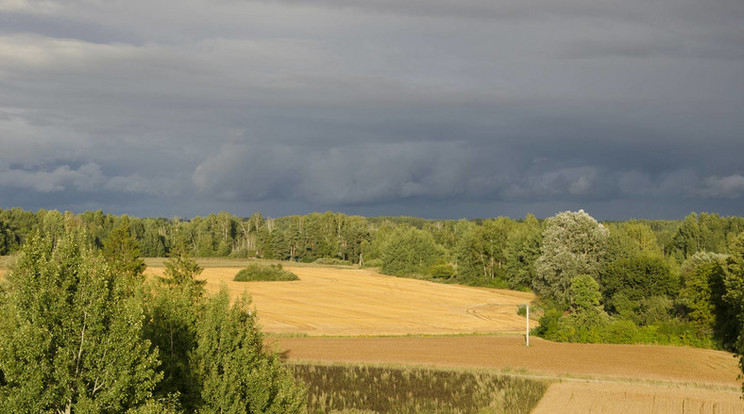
(380, 389)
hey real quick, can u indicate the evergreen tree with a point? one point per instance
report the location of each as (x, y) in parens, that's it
(121, 250)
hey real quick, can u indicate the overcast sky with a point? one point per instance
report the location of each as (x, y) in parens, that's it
(429, 108)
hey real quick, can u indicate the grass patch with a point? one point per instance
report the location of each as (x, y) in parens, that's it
(374, 389)
(257, 272)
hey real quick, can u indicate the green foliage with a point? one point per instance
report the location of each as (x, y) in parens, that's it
(639, 277)
(703, 290)
(121, 251)
(236, 373)
(573, 244)
(481, 252)
(373, 263)
(172, 312)
(630, 239)
(182, 271)
(360, 388)
(409, 251)
(599, 328)
(331, 261)
(585, 294)
(734, 296)
(522, 251)
(257, 272)
(441, 270)
(71, 336)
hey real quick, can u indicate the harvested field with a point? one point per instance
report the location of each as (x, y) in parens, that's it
(591, 378)
(700, 367)
(601, 398)
(348, 302)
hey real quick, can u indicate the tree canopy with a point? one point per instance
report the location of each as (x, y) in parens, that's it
(573, 243)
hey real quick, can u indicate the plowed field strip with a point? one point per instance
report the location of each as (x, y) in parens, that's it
(612, 362)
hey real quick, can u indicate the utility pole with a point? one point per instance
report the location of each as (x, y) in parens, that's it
(528, 325)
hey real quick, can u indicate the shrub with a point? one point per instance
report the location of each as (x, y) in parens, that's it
(373, 263)
(441, 271)
(332, 261)
(621, 332)
(256, 272)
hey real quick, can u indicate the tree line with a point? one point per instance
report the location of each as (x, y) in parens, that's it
(499, 251)
(653, 281)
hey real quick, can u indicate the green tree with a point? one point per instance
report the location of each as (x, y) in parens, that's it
(522, 251)
(71, 337)
(639, 277)
(703, 290)
(409, 251)
(687, 240)
(181, 270)
(121, 250)
(586, 319)
(481, 253)
(237, 374)
(585, 295)
(172, 312)
(734, 296)
(573, 244)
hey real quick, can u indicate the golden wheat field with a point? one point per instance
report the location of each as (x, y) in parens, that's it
(350, 302)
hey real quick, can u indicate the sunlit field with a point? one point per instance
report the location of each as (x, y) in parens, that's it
(346, 301)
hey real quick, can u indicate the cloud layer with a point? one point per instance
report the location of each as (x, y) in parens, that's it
(429, 108)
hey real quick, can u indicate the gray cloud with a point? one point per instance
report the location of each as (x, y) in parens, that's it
(85, 178)
(432, 108)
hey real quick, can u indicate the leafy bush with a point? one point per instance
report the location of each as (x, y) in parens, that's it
(441, 270)
(373, 263)
(332, 261)
(256, 272)
(587, 327)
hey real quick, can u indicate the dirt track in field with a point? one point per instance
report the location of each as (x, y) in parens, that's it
(351, 302)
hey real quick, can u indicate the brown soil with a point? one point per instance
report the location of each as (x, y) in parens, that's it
(614, 362)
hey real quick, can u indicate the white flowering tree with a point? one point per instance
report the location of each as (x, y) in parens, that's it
(573, 244)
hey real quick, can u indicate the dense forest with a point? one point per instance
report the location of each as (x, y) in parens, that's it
(637, 281)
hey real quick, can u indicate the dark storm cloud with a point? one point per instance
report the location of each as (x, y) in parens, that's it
(432, 108)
